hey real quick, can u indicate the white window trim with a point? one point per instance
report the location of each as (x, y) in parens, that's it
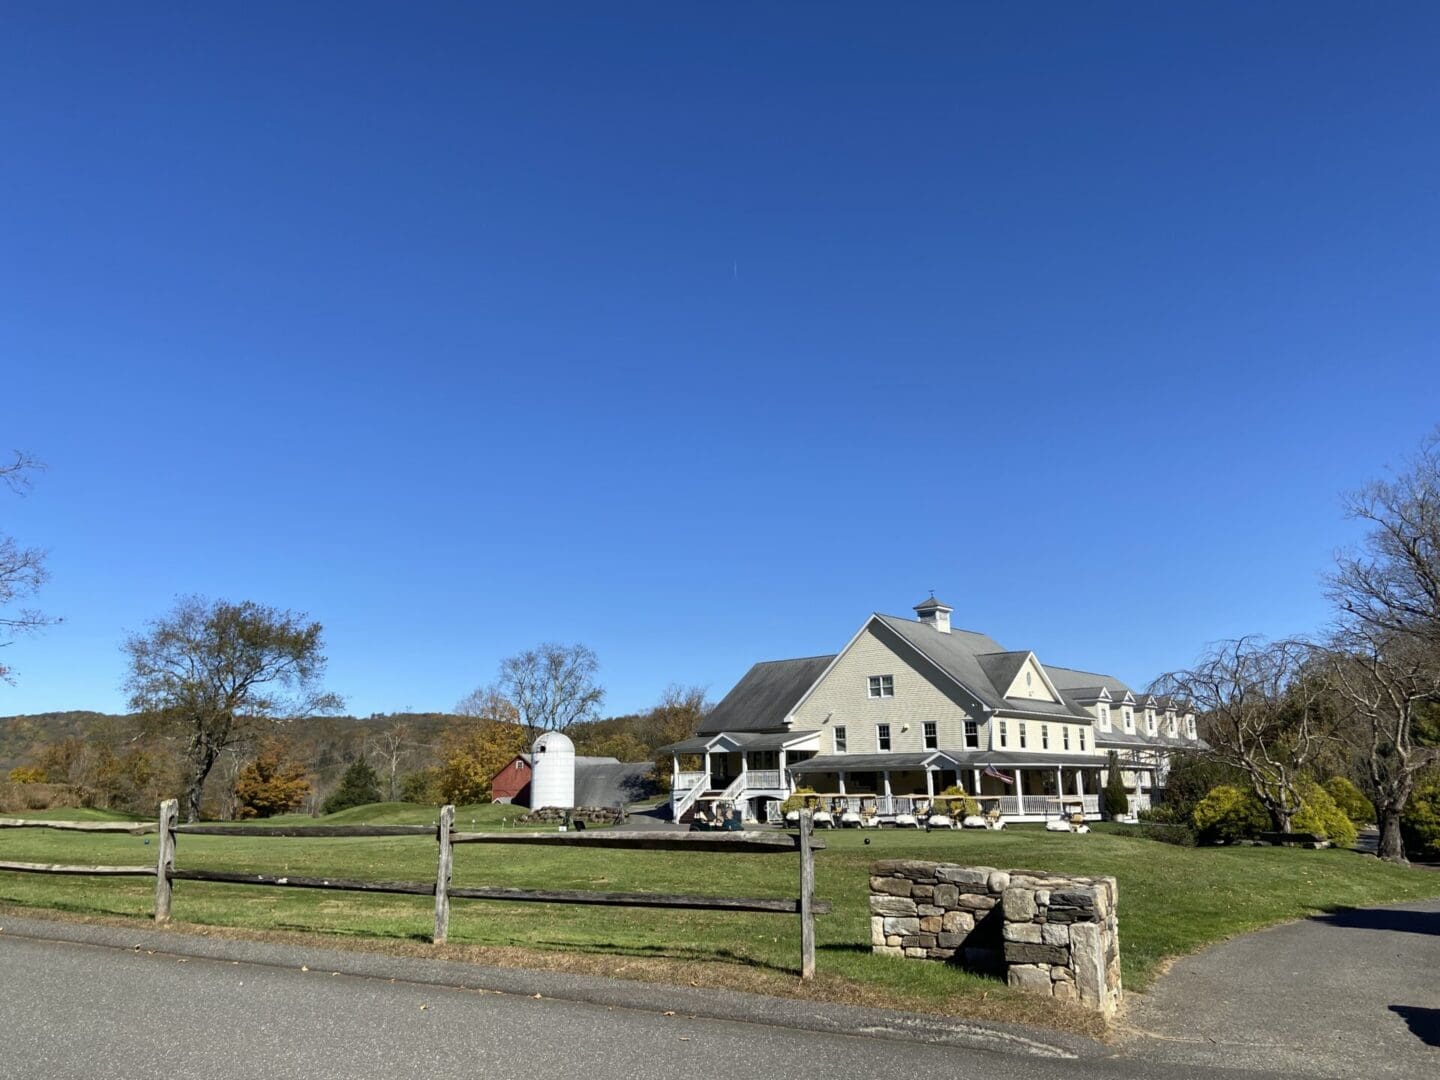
(970, 729)
(875, 686)
(1044, 736)
(925, 726)
(1004, 735)
(888, 737)
(838, 734)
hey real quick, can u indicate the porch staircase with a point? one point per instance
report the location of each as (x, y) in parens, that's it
(684, 809)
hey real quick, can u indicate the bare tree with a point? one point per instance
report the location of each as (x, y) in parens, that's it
(1388, 684)
(210, 672)
(391, 748)
(1263, 709)
(551, 687)
(22, 569)
(1385, 656)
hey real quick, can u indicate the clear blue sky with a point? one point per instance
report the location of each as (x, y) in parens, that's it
(696, 332)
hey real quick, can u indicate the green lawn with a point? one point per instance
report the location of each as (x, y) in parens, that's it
(1172, 900)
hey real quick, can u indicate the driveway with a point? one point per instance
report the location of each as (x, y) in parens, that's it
(1354, 994)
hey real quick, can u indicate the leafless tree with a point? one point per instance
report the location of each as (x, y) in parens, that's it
(22, 569)
(1388, 684)
(1385, 656)
(1263, 709)
(210, 673)
(391, 748)
(551, 688)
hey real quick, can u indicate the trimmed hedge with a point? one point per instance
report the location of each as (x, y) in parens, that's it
(1227, 814)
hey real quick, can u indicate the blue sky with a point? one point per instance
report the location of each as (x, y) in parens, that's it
(697, 332)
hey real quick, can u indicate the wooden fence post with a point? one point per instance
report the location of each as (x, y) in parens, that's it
(807, 897)
(442, 875)
(165, 858)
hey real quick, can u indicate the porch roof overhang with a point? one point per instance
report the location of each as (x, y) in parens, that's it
(741, 740)
(942, 759)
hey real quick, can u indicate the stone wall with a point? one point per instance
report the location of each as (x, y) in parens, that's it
(556, 815)
(1050, 934)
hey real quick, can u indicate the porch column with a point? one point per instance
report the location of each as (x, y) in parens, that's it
(1059, 780)
(1080, 782)
(841, 777)
(929, 783)
(784, 778)
(706, 767)
(674, 768)
(975, 775)
(886, 777)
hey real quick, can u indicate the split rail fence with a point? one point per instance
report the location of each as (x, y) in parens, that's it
(165, 872)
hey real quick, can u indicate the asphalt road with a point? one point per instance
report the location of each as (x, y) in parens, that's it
(1353, 994)
(70, 1010)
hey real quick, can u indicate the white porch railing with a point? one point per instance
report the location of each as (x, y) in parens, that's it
(734, 789)
(764, 778)
(684, 781)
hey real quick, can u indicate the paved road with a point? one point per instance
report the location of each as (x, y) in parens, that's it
(71, 1010)
(1355, 994)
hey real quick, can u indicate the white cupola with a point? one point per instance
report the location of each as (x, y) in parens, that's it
(933, 613)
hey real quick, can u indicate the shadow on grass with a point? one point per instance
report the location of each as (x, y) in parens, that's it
(1424, 1023)
(1392, 919)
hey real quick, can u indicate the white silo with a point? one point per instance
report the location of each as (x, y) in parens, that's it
(553, 781)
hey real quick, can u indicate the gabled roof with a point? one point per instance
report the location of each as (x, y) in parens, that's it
(979, 664)
(764, 696)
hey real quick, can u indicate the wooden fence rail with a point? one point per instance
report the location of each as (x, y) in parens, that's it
(166, 873)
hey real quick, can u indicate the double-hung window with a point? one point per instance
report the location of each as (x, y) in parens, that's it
(972, 735)
(882, 737)
(1020, 727)
(1082, 740)
(882, 685)
(839, 734)
(1044, 736)
(1065, 736)
(1004, 741)
(932, 735)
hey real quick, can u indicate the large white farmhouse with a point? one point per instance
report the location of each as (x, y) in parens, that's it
(910, 707)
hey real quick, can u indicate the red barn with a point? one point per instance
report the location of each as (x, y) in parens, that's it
(512, 783)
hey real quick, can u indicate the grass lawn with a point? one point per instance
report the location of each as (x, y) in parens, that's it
(1172, 901)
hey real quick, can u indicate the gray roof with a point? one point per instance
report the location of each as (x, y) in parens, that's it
(1121, 739)
(1074, 679)
(864, 762)
(979, 664)
(930, 604)
(579, 761)
(762, 699)
(602, 782)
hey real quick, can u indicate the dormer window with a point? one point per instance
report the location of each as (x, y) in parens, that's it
(1129, 715)
(1149, 721)
(882, 686)
(1170, 724)
(1190, 726)
(1104, 716)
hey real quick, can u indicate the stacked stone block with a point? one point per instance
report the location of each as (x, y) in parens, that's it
(1050, 934)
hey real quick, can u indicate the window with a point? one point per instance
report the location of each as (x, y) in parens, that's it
(1149, 721)
(1020, 727)
(1170, 721)
(1190, 726)
(932, 737)
(839, 740)
(1028, 680)
(1082, 740)
(1044, 736)
(882, 685)
(882, 736)
(972, 735)
(1003, 741)
(1129, 718)
(1065, 737)
(1105, 716)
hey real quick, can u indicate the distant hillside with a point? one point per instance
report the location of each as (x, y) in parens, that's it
(22, 738)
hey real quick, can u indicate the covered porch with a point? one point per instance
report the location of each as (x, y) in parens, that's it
(1028, 790)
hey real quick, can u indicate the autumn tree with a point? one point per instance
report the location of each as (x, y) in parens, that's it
(271, 784)
(471, 756)
(675, 718)
(22, 569)
(392, 748)
(1264, 710)
(210, 672)
(1385, 648)
(551, 688)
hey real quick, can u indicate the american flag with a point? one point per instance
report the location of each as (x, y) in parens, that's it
(990, 770)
